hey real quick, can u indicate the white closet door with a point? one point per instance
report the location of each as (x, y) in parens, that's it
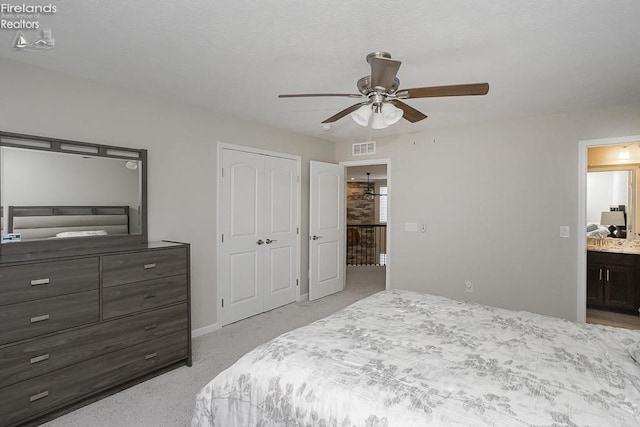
(327, 235)
(280, 234)
(260, 224)
(242, 224)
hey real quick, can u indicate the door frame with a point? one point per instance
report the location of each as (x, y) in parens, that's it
(222, 146)
(387, 162)
(581, 228)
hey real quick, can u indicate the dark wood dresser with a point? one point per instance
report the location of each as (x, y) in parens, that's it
(79, 325)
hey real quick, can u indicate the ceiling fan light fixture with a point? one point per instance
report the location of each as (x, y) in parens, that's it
(382, 87)
(362, 115)
(391, 113)
(378, 121)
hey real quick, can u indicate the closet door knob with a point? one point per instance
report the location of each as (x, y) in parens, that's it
(269, 241)
(314, 237)
(260, 242)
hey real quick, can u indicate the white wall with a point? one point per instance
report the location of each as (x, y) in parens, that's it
(182, 155)
(493, 197)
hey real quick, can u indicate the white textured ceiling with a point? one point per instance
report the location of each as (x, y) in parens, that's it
(540, 57)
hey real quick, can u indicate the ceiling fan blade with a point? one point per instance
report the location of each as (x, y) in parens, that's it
(410, 113)
(344, 112)
(383, 72)
(453, 90)
(305, 95)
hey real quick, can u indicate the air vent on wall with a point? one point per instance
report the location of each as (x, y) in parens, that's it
(364, 148)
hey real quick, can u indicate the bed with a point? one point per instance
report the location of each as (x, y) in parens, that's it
(597, 230)
(42, 222)
(400, 358)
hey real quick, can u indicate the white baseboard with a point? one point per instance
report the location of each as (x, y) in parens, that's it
(304, 297)
(205, 330)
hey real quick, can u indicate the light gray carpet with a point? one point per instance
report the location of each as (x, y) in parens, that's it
(168, 400)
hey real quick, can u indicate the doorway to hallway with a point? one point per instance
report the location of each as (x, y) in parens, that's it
(367, 204)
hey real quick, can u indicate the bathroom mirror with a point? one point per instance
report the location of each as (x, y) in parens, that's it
(607, 191)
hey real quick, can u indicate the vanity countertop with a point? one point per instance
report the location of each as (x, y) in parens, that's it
(615, 249)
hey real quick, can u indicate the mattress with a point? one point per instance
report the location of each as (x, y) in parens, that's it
(400, 358)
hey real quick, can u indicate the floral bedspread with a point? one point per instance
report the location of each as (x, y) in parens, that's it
(400, 358)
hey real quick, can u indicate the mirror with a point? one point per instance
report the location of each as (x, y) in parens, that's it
(54, 190)
(609, 191)
(613, 176)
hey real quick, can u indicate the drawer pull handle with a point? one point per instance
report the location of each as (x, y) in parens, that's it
(40, 318)
(148, 296)
(38, 359)
(149, 266)
(39, 396)
(37, 282)
(150, 327)
(150, 356)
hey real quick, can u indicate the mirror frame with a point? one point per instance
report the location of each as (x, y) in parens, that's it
(32, 142)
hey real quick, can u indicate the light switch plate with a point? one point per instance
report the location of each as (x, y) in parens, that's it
(411, 226)
(564, 231)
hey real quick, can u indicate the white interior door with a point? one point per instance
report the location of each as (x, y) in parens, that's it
(242, 269)
(281, 232)
(327, 233)
(260, 241)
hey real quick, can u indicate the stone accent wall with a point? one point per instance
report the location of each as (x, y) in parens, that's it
(359, 209)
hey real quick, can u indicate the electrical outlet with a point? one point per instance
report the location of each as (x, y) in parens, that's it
(468, 286)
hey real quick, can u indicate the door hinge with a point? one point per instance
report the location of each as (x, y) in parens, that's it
(298, 179)
(223, 238)
(297, 282)
(222, 302)
(297, 230)
(222, 171)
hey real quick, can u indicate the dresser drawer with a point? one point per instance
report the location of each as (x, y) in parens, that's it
(138, 296)
(30, 319)
(46, 279)
(27, 360)
(135, 267)
(38, 395)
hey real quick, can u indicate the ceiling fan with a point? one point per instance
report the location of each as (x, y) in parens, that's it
(379, 95)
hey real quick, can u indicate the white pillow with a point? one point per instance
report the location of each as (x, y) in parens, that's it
(82, 233)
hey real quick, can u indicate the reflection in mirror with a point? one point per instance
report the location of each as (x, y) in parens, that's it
(105, 193)
(609, 191)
